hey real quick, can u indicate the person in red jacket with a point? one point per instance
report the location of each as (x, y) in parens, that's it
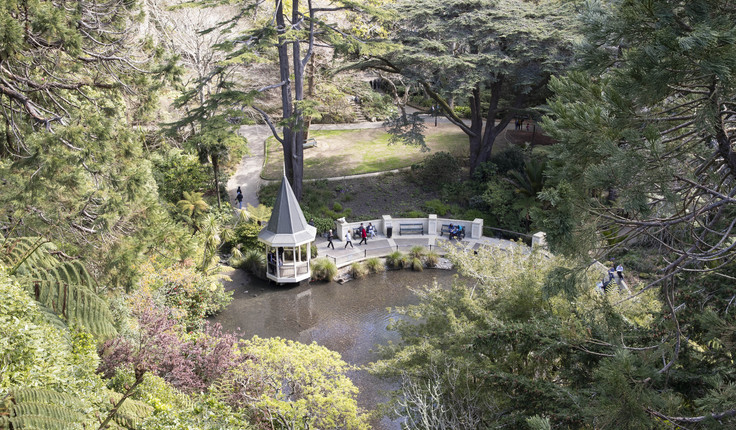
(363, 235)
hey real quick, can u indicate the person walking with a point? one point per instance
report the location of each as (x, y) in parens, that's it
(239, 198)
(348, 240)
(620, 272)
(363, 235)
(329, 240)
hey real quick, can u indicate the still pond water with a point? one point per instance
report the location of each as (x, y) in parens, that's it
(350, 318)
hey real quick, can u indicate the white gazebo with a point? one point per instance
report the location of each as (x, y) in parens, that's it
(286, 232)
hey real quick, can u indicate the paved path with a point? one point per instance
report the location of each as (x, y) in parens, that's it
(248, 174)
(381, 246)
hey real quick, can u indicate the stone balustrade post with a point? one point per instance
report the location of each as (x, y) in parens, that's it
(385, 223)
(477, 229)
(539, 239)
(432, 224)
(341, 227)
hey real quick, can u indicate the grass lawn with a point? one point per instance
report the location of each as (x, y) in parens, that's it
(352, 152)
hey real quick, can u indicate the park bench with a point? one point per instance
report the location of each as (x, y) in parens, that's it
(311, 142)
(411, 228)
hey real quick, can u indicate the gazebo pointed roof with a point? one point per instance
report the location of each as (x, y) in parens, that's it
(287, 226)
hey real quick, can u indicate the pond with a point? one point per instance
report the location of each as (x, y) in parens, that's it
(350, 318)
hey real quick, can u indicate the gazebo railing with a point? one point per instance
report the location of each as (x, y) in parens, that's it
(289, 270)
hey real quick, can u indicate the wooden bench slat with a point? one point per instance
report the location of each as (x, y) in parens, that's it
(410, 228)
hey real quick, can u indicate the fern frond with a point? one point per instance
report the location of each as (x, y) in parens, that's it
(70, 272)
(24, 253)
(38, 422)
(131, 412)
(76, 304)
(36, 408)
(53, 319)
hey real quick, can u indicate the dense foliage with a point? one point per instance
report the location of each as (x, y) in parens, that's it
(111, 233)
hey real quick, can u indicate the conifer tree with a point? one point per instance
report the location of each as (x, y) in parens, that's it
(496, 56)
(646, 158)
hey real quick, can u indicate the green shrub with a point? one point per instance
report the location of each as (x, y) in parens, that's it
(245, 235)
(472, 214)
(462, 111)
(323, 269)
(377, 105)
(312, 249)
(432, 258)
(437, 170)
(509, 159)
(417, 251)
(396, 259)
(337, 207)
(413, 214)
(358, 270)
(322, 223)
(375, 265)
(176, 171)
(436, 207)
(416, 264)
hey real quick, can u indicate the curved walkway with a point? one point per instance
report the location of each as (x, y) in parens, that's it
(381, 246)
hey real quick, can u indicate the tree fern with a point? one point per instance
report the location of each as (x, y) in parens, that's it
(23, 253)
(36, 408)
(52, 318)
(70, 272)
(65, 288)
(76, 304)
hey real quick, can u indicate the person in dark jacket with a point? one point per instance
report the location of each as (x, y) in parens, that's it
(329, 240)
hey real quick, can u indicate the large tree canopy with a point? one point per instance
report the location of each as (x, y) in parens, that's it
(647, 145)
(58, 56)
(284, 33)
(496, 55)
(72, 82)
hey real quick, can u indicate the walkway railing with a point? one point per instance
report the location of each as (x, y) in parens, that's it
(381, 251)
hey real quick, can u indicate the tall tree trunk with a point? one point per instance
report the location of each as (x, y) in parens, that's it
(310, 77)
(286, 104)
(297, 120)
(492, 130)
(476, 126)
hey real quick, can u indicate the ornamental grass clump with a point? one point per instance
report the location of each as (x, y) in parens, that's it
(323, 270)
(358, 270)
(417, 265)
(254, 261)
(396, 260)
(417, 251)
(375, 265)
(431, 259)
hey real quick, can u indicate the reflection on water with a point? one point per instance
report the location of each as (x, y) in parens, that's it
(350, 318)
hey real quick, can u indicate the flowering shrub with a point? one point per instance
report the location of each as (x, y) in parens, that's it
(162, 347)
(181, 287)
